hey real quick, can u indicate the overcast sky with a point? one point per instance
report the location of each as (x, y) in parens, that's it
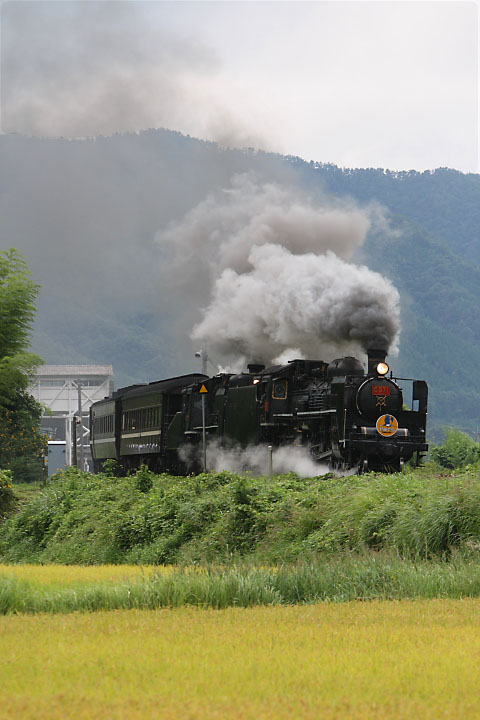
(359, 84)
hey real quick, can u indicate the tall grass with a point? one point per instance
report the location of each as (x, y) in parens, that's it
(333, 579)
(220, 518)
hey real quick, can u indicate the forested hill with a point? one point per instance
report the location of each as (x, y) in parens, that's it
(86, 215)
(444, 202)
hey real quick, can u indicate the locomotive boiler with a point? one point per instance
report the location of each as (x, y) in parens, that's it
(338, 412)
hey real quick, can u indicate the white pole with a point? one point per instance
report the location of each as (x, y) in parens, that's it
(68, 448)
(80, 462)
(204, 435)
(270, 461)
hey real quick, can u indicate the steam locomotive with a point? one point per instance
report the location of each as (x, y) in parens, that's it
(338, 412)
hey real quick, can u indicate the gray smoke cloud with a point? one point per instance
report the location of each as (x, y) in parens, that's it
(83, 69)
(275, 275)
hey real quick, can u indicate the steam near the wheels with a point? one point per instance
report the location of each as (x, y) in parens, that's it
(274, 273)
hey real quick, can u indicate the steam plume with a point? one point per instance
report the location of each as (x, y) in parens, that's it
(255, 459)
(275, 274)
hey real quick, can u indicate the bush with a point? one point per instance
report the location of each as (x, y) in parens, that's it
(7, 498)
(221, 517)
(144, 479)
(458, 450)
(22, 446)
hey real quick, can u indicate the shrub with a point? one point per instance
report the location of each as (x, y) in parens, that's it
(146, 518)
(144, 479)
(458, 450)
(112, 468)
(7, 498)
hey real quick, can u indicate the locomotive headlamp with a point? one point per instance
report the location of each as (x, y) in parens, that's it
(382, 368)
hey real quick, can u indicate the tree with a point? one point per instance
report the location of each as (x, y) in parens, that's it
(17, 311)
(21, 444)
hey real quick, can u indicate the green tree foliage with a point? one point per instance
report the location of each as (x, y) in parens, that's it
(458, 450)
(7, 498)
(17, 311)
(21, 445)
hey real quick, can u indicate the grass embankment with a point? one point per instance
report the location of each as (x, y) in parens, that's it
(26, 492)
(355, 660)
(220, 518)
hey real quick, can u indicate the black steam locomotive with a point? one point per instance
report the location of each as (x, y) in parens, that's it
(339, 413)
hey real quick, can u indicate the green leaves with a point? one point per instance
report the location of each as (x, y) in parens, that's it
(21, 445)
(458, 450)
(17, 303)
(83, 518)
(7, 498)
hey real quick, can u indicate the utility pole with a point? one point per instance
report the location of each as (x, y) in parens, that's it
(74, 458)
(80, 422)
(203, 392)
(203, 355)
(204, 358)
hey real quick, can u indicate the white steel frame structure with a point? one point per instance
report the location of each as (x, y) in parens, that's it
(57, 388)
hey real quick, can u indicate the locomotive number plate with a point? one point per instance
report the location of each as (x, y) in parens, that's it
(380, 389)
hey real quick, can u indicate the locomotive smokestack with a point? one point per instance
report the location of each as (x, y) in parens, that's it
(254, 368)
(375, 357)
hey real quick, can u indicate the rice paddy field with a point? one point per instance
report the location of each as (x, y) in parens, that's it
(62, 576)
(245, 600)
(379, 659)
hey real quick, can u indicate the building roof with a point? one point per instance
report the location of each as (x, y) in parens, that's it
(74, 370)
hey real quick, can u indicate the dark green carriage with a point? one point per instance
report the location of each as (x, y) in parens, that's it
(143, 415)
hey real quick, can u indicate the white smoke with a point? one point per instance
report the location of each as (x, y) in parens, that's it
(297, 301)
(256, 459)
(274, 272)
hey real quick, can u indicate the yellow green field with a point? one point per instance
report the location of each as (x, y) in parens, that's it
(352, 660)
(66, 575)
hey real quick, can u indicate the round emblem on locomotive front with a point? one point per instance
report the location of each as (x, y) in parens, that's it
(387, 425)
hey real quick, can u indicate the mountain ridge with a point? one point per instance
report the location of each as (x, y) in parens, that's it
(86, 215)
